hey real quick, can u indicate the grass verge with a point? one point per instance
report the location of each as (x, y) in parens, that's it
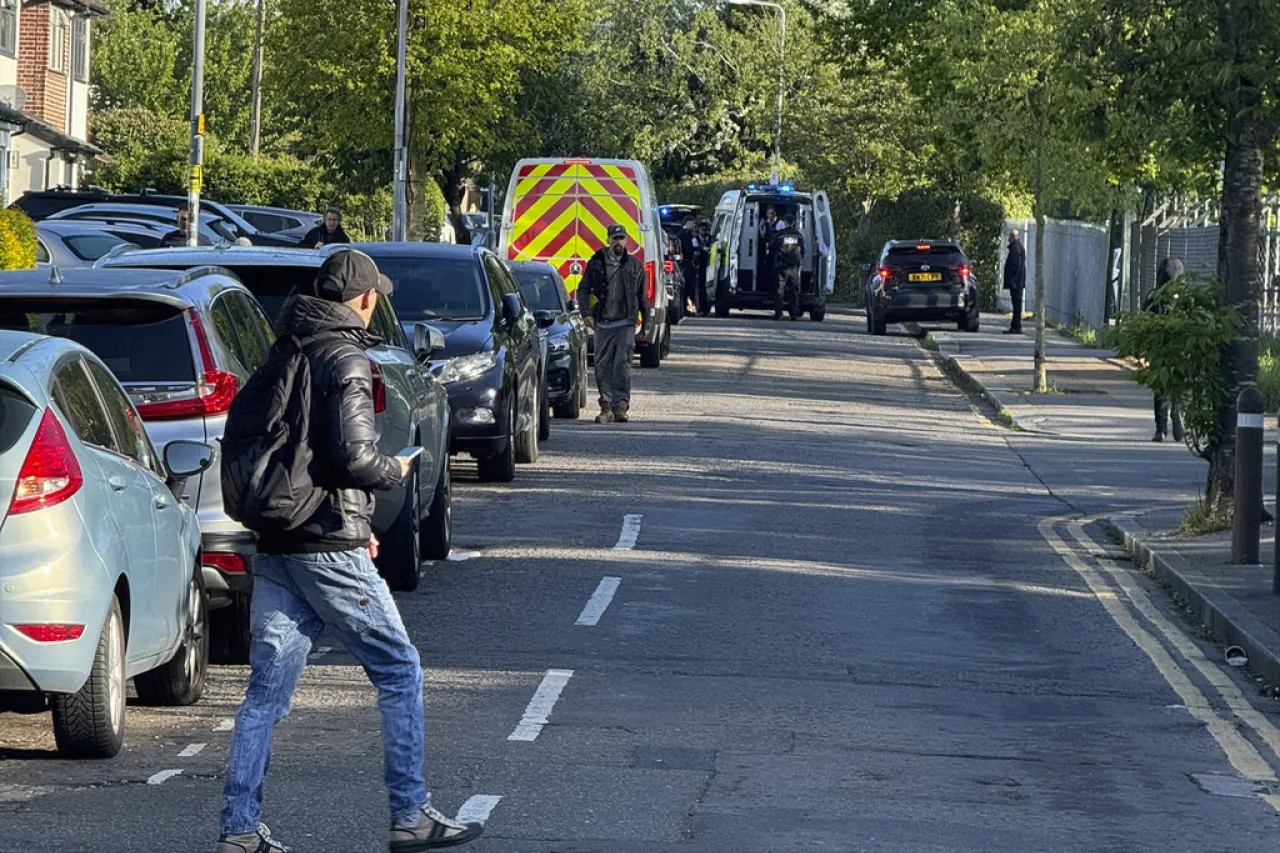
(1198, 521)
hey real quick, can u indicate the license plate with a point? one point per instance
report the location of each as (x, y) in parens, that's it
(924, 276)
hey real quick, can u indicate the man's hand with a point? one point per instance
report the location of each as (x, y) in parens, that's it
(406, 465)
(589, 322)
(643, 337)
(373, 547)
(320, 245)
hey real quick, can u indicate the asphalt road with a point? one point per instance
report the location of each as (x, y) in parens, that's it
(845, 619)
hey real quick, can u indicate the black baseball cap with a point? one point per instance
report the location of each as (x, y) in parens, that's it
(346, 274)
(617, 231)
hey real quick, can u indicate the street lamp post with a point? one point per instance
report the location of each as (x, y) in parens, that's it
(399, 203)
(782, 77)
(196, 177)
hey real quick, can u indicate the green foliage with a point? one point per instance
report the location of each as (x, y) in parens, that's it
(1181, 351)
(1269, 371)
(17, 240)
(135, 61)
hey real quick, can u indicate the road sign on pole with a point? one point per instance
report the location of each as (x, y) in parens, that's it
(195, 183)
(399, 200)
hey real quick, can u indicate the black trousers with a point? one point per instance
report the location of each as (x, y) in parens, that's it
(1015, 294)
(788, 293)
(1163, 410)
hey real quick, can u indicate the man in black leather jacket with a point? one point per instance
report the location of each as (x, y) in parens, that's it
(613, 294)
(320, 574)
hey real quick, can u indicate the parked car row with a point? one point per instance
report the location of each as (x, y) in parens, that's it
(147, 348)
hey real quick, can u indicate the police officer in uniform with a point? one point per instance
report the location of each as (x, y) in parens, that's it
(787, 250)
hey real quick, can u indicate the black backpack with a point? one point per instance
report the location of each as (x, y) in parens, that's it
(266, 447)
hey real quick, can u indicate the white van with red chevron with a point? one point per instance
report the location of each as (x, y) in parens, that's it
(558, 211)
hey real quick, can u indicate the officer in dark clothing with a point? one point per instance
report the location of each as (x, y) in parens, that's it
(615, 282)
(178, 237)
(1170, 270)
(702, 298)
(1015, 279)
(329, 231)
(768, 226)
(787, 250)
(690, 251)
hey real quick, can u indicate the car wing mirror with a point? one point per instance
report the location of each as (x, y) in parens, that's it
(427, 341)
(512, 308)
(865, 267)
(573, 306)
(184, 459)
(545, 319)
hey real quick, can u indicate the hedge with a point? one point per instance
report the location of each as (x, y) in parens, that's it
(17, 240)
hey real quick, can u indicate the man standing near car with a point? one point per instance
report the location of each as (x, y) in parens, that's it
(787, 250)
(328, 231)
(318, 574)
(690, 249)
(1015, 279)
(179, 236)
(615, 294)
(702, 298)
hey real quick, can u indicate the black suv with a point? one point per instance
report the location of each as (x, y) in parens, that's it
(921, 281)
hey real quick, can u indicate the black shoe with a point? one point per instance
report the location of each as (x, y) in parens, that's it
(777, 316)
(1159, 436)
(258, 841)
(432, 831)
(1013, 331)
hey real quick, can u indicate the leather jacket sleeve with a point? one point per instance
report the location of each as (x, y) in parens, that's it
(352, 450)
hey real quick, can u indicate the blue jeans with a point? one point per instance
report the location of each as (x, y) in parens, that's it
(296, 597)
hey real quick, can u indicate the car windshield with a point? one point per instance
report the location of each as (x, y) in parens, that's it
(138, 341)
(90, 247)
(435, 288)
(539, 289)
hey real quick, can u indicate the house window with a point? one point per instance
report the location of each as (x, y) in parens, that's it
(58, 41)
(80, 48)
(9, 27)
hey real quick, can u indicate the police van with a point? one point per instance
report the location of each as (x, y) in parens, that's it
(742, 274)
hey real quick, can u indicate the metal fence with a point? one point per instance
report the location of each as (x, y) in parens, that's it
(1075, 270)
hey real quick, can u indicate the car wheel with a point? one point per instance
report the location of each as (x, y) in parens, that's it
(651, 355)
(972, 322)
(722, 300)
(181, 680)
(230, 632)
(437, 532)
(544, 415)
(571, 409)
(818, 314)
(399, 556)
(665, 350)
(90, 722)
(527, 440)
(501, 467)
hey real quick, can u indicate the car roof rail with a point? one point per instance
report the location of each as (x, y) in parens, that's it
(115, 252)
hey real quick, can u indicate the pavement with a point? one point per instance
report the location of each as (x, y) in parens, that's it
(811, 598)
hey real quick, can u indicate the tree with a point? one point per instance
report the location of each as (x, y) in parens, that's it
(135, 61)
(1210, 69)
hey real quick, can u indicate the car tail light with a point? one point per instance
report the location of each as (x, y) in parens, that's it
(668, 266)
(885, 272)
(232, 564)
(651, 275)
(965, 270)
(51, 473)
(379, 388)
(214, 390)
(923, 247)
(51, 633)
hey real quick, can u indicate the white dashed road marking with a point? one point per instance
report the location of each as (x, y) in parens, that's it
(477, 809)
(599, 602)
(225, 725)
(161, 777)
(191, 750)
(463, 556)
(540, 706)
(630, 532)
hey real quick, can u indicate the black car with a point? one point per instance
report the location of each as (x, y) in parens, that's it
(490, 364)
(921, 281)
(42, 204)
(561, 322)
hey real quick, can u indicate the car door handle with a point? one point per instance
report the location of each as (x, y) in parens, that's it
(118, 484)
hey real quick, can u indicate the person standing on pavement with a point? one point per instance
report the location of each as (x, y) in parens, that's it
(702, 298)
(615, 295)
(328, 231)
(690, 249)
(318, 575)
(1015, 279)
(787, 250)
(1169, 271)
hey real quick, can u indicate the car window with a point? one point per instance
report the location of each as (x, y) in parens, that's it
(940, 255)
(396, 336)
(267, 222)
(540, 289)
(383, 324)
(225, 328)
(74, 394)
(130, 436)
(224, 229)
(144, 241)
(42, 252)
(138, 341)
(16, 411)
(252, 329)
(90, 247)
(493, 273)
(435, 288)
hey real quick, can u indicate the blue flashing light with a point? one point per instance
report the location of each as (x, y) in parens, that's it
(786, 188)
(666, 211)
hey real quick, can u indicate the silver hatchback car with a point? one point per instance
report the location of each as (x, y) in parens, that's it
(99, 557)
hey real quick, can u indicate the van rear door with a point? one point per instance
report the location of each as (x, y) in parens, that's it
(824, 227)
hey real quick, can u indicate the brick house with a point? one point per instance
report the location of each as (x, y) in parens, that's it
(44, 93)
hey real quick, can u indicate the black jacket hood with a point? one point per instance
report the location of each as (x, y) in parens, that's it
(308, 316)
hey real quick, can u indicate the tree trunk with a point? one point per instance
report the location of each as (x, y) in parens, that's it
(1241, 275)
(864, 218)
(255, 117)
(954, 221)
(1040, 382)
(418, 228)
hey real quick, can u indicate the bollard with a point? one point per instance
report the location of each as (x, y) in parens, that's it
(1246, 528)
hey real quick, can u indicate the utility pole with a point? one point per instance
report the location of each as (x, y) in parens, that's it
(255, 120)
(399, 202)
(196, 175)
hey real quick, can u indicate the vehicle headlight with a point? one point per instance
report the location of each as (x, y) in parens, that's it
(468, 367)
(559, 347)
